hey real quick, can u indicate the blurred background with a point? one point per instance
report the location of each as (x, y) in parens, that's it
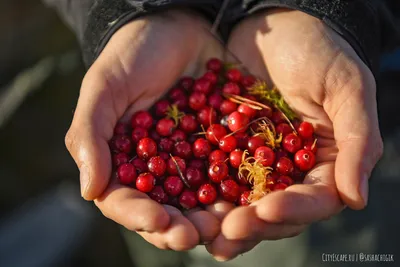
(43, 220)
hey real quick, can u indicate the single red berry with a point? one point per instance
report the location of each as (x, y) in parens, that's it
(304, 160)
(241, 179)
(280, 153)
(244, 198)
(235, 158)
(164, 155)
(265, 112)
(217, 155)
(121, 129)
(121, 143)
(311, 145)
(186, 83)
(182, 102)
(283, 129)
(202, 85)
(154, 135)
(278, 117)
(292, 143)
(207, 194)
(248, 81)
(140, 165)
(218, 171)
(197, 100)
(280, 186)
(158, 194)
(173, 185)
(161, 108)
(238, 122)
(145, 182)
(166, 145)
(146, 148)
(214, 64)
(234, 75)
(178, 135)
(273, 175)
(227, 107)
(243, 188)
(215, 101)
(176, 93)
(139, 133)
(157, 166)
(228, 143)
(142, 119)
(211, 76)
(242, 140)
(265, 156)
(171, 166)
(284, 166)
(188, 123)
(305, 130)
(201, 148)
(195, 177)
(229, 190)
(119, 159)
(215, 133)
(285, 180)
(188, 199)
(231, 88)
(248, 111)
(197, 164)
(126, 174)
(207, 116)
(182, 149)
(254, 143)
(165, 127)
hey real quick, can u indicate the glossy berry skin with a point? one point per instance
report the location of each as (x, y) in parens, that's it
(119, 159)
(278, 118)
(126, 174)
(178, 135)
(176, 93)
(311, 145)
(171, 166)
(247, 81)
(207, 116)
(284, 166)
(304, 160)
(285, 180)
(211, 76)
(195, 177)
(139, 133)
(173, 185)
(161, 108)
(237, 122)
(234, 75)
(244, 198)
(283, 129)
(201, 148)
(165, 127)
(182, 102)
(158, 194)
(142, 119)
(215, 133)
(186, 83)
(122, 143)
(215, 101)
(265, 155)
(217, 155)
(157, 166)
(188, 123)
(292, 143)
(214, 64)
(218, 171)
(197, 101)
(242, 140)
(140, 165)
(188, 199)
(254, 143)
(145, 182)
(280, 186)
(227, 107)
(182, 149)
(228, 143)
(164, 155)
(229, 190)
(235, 158)
(202, 86)
(231, 88)
(207, 194)
(197, 164)
(121, 129)
(305, 130)
(246, 110)
(265, 113)
(166, 145)
(146, 148)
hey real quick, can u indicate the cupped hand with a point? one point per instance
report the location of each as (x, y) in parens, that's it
(323, 79)
(137, 67)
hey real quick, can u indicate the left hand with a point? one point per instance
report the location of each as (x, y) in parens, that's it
(326, 83)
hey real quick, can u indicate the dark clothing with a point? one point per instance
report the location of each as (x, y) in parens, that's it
(370, 26)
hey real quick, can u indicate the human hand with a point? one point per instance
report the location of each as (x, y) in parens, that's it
(139, 64)
(323, 79)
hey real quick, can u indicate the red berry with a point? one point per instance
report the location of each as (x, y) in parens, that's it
(243, 188)
(280, 186)
(273, 175)
(207, 116)
(207, 194)
(248, 111)
(119, 159)
(164, 155)
(229, 190)
(202, 85)
(154, 135)
(158, 194)
(283, 129)
(227, 107)
(122, 143)
(211, 76)
(173, 185)
(292, 143)
(195, 177)
(188, 199)
(238, 122)
(215, 132)
(254, 143)
(241, 179)
(310, 144)
(181, 102)
(215, 101)
(280, 153)
(146, 148)
(126, 174)
(277, 117)
(186, 83)
(228, 143)
(305, 130)
(201, 148)
(284, 166)
(142, 119)
(197, 100)
(176, 93)
(242, 140)
(140, 165)
(234, 75)
(166, 145)
(171, 166)
(285, 180)
(265, 112)
(214, 64)
(139, 133)
(217, 155)
(165, 127)
(121, 129)
(157, 166)
(178, 135)
(182, 149)
(145, 182)
(244, 198)
(235, 158)
(265, 156)
(188, 123)
(197, 164)
(161, 107)
(304, 160)
(218, 171)
(231, 88)
(248, 81)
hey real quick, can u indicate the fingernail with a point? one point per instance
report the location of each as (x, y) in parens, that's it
(220, 258)
(364, 188)
(172, 211)
(84, 178)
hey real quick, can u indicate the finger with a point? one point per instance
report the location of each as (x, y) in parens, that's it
(180, 235)
(223, 249)
(206, 224)
(132, 209)
(220, 209)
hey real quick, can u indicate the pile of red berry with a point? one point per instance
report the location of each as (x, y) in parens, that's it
(211, 137)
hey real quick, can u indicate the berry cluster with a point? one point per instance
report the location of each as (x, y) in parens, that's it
(212, 137)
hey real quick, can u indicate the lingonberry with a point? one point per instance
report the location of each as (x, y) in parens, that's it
(235, 158)
(176, 93)
(280, 186)
(182, 149)
(243, 188)
(292, 143)
(273, 175)
(211, 76)
(165, 127)
(279, 153)
(197, 164)
(283, 129)
(207, 194)
(121, 129)
(228, 143)
(214, 133)
(178, 135)
(173, 185)
(139, 133)
(278, 117)
(305, 130)
(146, 148)
(247, 81)
(227, 107)
(265, 156)
(241, 179)
(265, 112)
(126, 174)
(188, 123)
(248, 111)
(310, 144)
(231, 88)
(215, 101)
(218, 171)
(158, 194)
(285, 180)
(145, 182)
(119, 159)
(181, 102)
(188, 199)
(157, 166)
(195, 177)
(304, 160)
(186, 83)
(121, 143)
(254, 143)
(242, 140)
(229, 190)
(244, 198)
(201, 148)
(202, 85)
(166, 145)
(284, 166)
(214, 64)
(197, 100)
(142, 119)
(233, 75)
(172, 168)
(207, 116)
(164, 155)
(161, 108)
(237, 122)
(217, 155)
(140, 165)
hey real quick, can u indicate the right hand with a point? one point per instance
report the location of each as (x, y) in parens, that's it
(139, 64)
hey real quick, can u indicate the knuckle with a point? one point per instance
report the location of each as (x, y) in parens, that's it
(70, 140)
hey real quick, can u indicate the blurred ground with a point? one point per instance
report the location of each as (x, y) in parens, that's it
(43, 220)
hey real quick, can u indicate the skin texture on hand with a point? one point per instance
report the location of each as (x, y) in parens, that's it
(139, 64)
(326, 83)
